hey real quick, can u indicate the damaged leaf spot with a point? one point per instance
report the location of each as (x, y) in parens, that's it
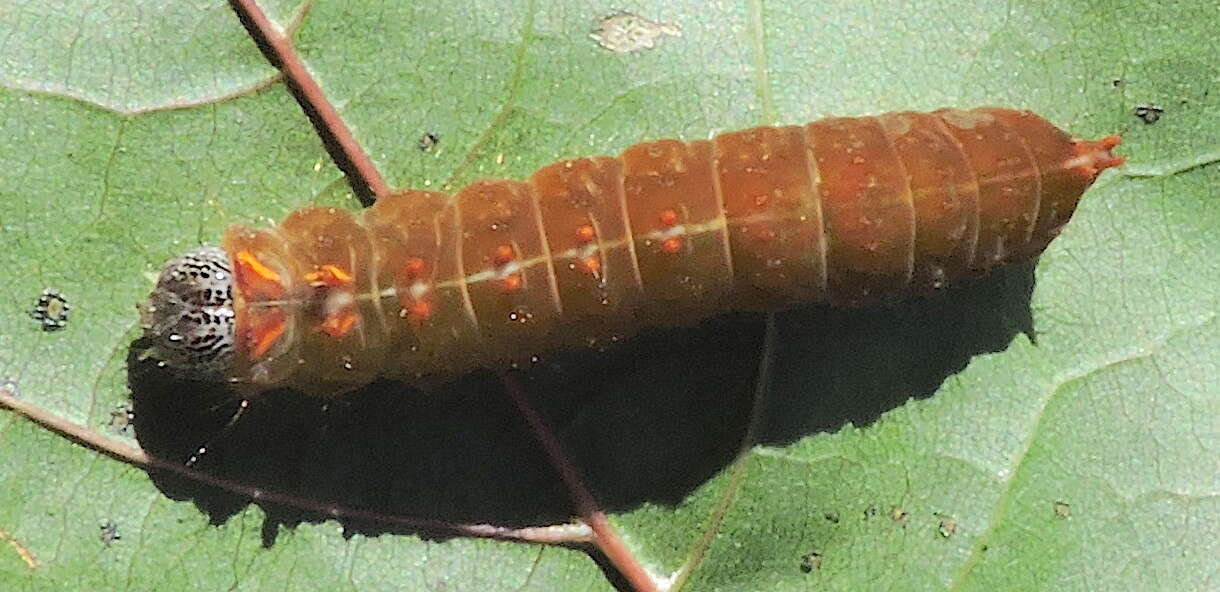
(811, 562)
(947, 527)
(625, 32)
(428, 141)
(109, 533)
(1149, 113)
(1063, 510)
(900, 516)
(121, 418)
(51, 311)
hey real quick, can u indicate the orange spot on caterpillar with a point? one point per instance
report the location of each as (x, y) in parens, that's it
(504, 255)
(585, 233)
(415, 267)
(592, 264)
(328, 275)
(671, 245)
(419, 311)
(669, 217)
(513, 283)
(338, 324)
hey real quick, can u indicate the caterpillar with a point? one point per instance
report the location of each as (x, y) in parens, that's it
(424, 285)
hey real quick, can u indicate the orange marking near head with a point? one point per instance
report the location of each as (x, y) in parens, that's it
(513, 282)
(254, 280)
(265, 337)
(338, 273)
(504, 254)
(592, 264)
(585, 233)
(669, 217)
(671, 245)
(250, 263)
(340, 323)
(329, 275)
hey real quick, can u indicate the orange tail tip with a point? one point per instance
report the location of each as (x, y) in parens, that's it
(1093, 157)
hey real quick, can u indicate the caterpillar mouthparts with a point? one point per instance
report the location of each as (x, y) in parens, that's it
(589, 250)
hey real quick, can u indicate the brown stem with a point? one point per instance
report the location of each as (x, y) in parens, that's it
(554, 535)
(605, 537)
(362, 174)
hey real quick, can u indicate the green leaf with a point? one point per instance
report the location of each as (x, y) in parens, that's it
(1091, 460)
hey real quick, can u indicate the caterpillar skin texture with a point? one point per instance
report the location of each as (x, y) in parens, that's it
(424, 286)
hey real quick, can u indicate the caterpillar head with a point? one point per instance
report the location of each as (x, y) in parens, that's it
(189, 314)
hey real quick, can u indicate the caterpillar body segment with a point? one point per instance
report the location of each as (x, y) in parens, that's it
(774, 214)
(587, 251)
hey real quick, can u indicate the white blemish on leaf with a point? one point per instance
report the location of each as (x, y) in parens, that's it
(624, 32)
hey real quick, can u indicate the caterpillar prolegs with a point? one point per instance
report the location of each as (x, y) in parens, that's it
(588, 251)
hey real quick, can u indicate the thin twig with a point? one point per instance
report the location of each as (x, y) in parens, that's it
(563, 534)
(590, 513)
(363, 175)
(22, 551)
(80, 434)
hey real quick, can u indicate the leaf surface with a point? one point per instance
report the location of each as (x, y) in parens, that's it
(132, 131)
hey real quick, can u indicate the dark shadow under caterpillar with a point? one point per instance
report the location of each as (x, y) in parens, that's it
(425, 286)
(648, 423)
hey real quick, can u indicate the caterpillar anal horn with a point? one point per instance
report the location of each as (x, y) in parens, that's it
(1093, 157)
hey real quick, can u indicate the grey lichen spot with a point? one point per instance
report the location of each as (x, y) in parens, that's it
(625, 32)
(189, 315)
(51, 311)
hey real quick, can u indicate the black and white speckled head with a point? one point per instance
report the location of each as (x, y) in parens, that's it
(189, 315)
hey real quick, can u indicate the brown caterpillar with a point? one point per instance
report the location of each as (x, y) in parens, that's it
(426, 285)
